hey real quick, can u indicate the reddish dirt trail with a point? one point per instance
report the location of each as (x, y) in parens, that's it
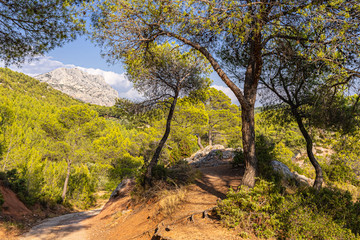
(122, 221)
(141, 221)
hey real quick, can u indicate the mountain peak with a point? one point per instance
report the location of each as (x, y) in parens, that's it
(81, 85)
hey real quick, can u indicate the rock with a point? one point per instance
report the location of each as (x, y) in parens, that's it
(212, 156)
(80, 85)
(282, 169)
(123, 188)
(303, 180)
(287, 175)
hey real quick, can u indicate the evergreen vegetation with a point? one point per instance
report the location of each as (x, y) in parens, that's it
(55, 149)
(31, 27)
(238, 38)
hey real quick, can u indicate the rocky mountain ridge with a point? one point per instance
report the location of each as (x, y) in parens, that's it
(81, 85)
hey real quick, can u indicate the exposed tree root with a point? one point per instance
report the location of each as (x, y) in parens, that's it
(161, 228)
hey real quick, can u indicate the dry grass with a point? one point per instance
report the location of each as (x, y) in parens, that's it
(170, 200)
(11, 230)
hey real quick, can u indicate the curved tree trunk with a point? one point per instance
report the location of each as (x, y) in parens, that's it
(247, 100)
(66, 180)
(155, 158)
(319, 179)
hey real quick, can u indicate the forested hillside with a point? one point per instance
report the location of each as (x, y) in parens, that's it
(51, 144)
(55, 149)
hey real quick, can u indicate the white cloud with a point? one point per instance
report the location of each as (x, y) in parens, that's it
(131, 94)
(228, 92)
(44, 64)
(113, 79)
(39, 65)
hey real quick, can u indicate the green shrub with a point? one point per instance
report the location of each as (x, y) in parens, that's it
(17, 184)
(304, 223)
(254, 210)
(182, 173)
(238, 159)
(159, 172)
(308, 214)
(283, 154)
(339, 171)
(265, 154)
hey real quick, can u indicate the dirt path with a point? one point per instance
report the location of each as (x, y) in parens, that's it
(65, 227)
(119, 222)
(140, 222)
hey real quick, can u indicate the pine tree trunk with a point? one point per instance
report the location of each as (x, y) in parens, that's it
(199, 142)
(252, 77)
(210, 137)
(247, 100)
(155, 158)
(248, 139)
(66, 180)
(319, 179)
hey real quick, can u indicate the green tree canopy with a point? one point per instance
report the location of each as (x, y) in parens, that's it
(164, 73)
(243, 31)
(32, 27)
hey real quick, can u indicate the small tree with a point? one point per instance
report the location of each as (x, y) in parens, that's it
(164, 73)
(73, 130)
(305, 90)
(223, 115)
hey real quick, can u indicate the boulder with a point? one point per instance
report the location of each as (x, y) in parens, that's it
(287, 175)
(123, 188)
(303, 180)
(212, 156)
(282, 169)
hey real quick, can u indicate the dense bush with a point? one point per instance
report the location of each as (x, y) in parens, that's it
(254, 210)
(239, 159)
(267, 212)
(339, 171)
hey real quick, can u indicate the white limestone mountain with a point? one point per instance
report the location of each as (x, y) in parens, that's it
(81, 85)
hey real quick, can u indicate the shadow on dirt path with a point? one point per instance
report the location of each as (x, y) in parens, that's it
(217, 180)
(65, 227)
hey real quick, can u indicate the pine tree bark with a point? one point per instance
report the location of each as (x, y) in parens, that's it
(210, 137)
(319, 179)
(248, 139)
(63, 196)
(199, 142)
(252, 77)
(155, 158)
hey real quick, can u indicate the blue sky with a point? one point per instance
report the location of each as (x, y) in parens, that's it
(83, 54)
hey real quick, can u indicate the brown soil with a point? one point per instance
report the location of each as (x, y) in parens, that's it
(191, 218)
(120, 220)
(13, 207)
(12, 215)
(16, 218)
